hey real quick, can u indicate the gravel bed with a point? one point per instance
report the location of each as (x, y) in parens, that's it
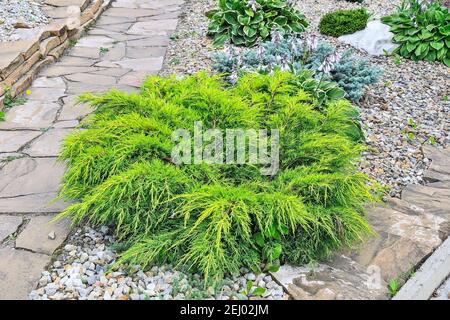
(27, 12)
(190, 49)
(406, 109)
(80, 272)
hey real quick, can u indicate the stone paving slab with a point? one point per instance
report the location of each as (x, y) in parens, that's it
(27, 176)
(31, 204)
(35, 236)
(13, 141)
(48, 144)
(30, 115)
(19, 272)
(8, 226)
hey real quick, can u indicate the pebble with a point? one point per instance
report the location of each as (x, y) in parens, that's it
(19, 14)
(73, 276)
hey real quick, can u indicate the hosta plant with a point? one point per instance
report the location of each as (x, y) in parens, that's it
(350, 74)
(422, 28)
(217, 218)
(243, 22)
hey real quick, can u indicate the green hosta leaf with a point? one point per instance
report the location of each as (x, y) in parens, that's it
(249, 31)
(447, 62)
(219, 39)
(441, 53)
(257, 19)
(336, 93)
(249, 285)
(238, 40)
(209, 14)
(249, 12)
(243, 20)
(264, 32)
(281, 21)
(445, 30)
(411, 47)
(447, 42)
(437, 45)
(425, 34)
(230, 17)
(431, 56)
(214, 27)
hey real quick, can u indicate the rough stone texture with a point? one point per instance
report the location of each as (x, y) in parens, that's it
(8, 225)
(27, 176)
(33, 203)
(408, 231)
(47, 145)
(430, 275)
(19, 272)
(35, 235)
(31, 115)
(375, 39)
(12, 141)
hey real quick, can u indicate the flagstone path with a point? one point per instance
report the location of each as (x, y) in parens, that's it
(127, 43)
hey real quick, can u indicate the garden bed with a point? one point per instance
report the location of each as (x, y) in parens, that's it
(405, 110)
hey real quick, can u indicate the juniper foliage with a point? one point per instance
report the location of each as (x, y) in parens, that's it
(206, 218)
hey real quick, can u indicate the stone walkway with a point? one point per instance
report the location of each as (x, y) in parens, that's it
(127, 43)
(408, 231)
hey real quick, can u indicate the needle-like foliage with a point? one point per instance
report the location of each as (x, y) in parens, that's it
(217, 218)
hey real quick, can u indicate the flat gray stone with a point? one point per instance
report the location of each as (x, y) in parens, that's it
(327, 282)
(87, 78)
(439, 169)
(73, 111)
(48, 144)
(66, 124)
(375, 39)
(45, 82)
(8, 225)
(33, 203)
(31, 115)
(429, 276)
(75, 61)
(27, 176)
(138, 53)
(57, 70)
(35, 235)
(20, 271)
(95, 42)
(154, 27)
(13, 141)
(145, 64)
(46, 94)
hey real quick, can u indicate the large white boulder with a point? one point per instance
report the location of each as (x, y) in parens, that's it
(375, 39)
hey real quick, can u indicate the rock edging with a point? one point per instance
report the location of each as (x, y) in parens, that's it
(408, 231)
(22, 60)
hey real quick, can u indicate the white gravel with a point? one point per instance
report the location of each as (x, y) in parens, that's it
(26, 11)
(81, 272)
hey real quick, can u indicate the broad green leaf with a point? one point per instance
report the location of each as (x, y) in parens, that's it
(219, 39)
(259, 291)
(249, 31)
(437, 45)
(230, 17)
(243, 20)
